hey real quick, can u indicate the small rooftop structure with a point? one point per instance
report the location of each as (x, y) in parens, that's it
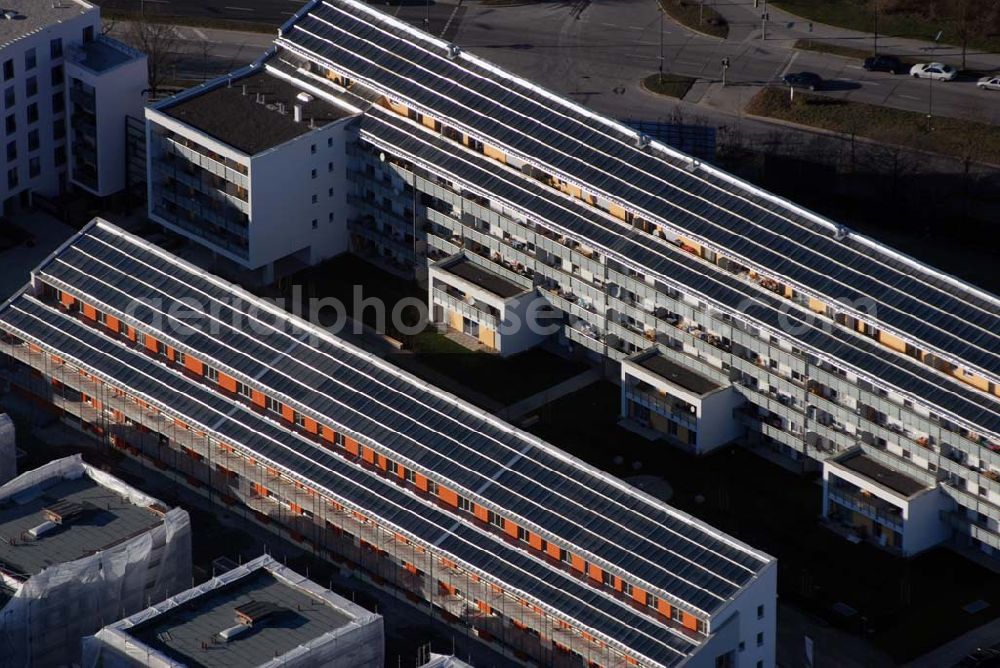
(461, 266)
(675, 373)
(900, 483)
(20, 18)
(445, 661)
(257, 614)
(254, 112)
(102, 54)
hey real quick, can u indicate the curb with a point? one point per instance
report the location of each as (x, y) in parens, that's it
(659, 3)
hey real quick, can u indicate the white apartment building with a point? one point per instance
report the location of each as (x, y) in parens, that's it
(252, 166)
(55, 67)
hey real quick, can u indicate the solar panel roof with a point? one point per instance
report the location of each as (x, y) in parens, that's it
(397, 508)
(754, 227)
(607, 521)
(646, 253)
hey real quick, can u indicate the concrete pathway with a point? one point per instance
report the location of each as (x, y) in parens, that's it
(534, 402)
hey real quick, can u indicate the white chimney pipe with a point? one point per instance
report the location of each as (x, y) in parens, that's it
(298, 113)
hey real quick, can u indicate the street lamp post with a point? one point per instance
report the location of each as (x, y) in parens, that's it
(875, 39)
(661, 41)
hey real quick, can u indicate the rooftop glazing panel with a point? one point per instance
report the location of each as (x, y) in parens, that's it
(106, 520)
(356, 488)
(298, 619)
(748, 223)
(414, 423)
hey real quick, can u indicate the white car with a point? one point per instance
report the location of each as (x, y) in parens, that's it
(989, 83)
(938, 71)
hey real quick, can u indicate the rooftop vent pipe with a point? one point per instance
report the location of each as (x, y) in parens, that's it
(298, 113)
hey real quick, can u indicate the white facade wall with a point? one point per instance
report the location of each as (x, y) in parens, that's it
(118, 94)
(923, 526)
(50, 158)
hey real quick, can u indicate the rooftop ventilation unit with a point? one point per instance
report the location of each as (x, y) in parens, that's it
(42, 529)
(62, 512)
(453, 51)
(642, 141)
(304, 97)
(233, 632)
(693, 165)
(841, 233)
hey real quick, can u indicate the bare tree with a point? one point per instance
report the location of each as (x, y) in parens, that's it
(158, 41)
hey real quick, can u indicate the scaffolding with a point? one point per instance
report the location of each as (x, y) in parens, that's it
(42, 623)
(226, 474)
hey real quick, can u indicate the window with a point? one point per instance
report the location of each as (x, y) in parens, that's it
(411, 476)
(12, 177)
(33, 140)
(329, 142)
(12, 151)
(329, 167)
(760, 639)
(272, 404)
(57, 75)
(313, 173)
(55, 48)
(8, 70)
(30, 59)
(315, 223)
(60, 156)
(11, 124)
(88, 34)
(244, 390)
(299, 419)
(701, 626)
(760, 664)
(315, 199)
(564, 556)
(760, 612)
(10, 97)
(58, 129)
(102, 317)
(495, 519)
(464, 504)
(58, 103)
(212, 374)
(676, 614)
(432, 487)
(140, 338)
(522, 534)
(31, 86)
(606, 579)
(179, 357)
(329, 192)
(34, 167)
(392, 467)
(329, 217)
(652, 601)
(626, 588)
(312, 149)
(33, 112)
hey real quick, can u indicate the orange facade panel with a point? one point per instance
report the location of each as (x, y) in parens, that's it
(535, 541)
(448, 496)
(663, 607)
(67, 300)
(88, 311)
(577, 563)
(368, 455)
(352, 446)
(553, 551)
(257, 398)
(689, 621)
(311, 426)
(639, 595)
(286, 412)
(194, 365)
(596, 573)
(510, 528)
(481, 513)
(152, 345)
(113, 323)
(227, 383)
(421, 482)
(327, 434)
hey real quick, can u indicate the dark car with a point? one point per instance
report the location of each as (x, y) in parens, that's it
(803, 80)
(884, 64)
(981, 658)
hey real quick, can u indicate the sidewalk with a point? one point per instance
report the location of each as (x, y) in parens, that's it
(784, 26)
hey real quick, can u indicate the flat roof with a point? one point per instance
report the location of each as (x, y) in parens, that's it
(105, 520)
(296, 618)
(605, 521)
(247, 114)
(102, 54)
(871, 469)
(481, 277)
(34, 15)
(756, 228)
(677, 374)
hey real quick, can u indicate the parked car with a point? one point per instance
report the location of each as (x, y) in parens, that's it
(938, 71)
(989, 83)
(803, 80)
(981, 658)
(884, 64)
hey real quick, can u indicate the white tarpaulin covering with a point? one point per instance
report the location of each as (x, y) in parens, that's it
(43, 623)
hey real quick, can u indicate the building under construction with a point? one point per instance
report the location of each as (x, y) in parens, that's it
(473, 520)
(258, 614)
(79, 548)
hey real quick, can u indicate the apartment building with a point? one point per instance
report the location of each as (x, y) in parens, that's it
(78, 546)
(57, 72)
(465, 516)
(258, 615)
(252, 167)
